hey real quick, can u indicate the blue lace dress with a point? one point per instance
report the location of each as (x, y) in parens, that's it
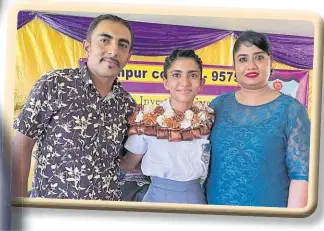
(257, 151)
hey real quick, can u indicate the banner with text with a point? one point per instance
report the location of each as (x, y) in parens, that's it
(144, 81)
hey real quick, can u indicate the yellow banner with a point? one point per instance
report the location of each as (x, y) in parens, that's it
(153, 73)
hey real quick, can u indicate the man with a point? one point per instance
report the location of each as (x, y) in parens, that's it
(78, 117)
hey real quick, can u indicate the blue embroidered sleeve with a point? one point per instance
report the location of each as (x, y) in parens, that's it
(298, 142)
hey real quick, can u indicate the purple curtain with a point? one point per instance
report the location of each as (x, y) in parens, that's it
(24, 17)
(72, 26)
(152, 39)
(302, 91)
(300, 76)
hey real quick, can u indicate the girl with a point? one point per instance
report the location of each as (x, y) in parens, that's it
(171, 140)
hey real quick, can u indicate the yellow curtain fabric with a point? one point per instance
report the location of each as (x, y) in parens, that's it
(41, 49)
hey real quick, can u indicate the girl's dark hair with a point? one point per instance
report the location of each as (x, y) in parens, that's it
(181, 54)
(251, 37)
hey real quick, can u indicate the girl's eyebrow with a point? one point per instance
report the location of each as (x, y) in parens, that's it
(255, 53)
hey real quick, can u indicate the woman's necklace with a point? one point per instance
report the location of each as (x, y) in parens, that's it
(166, 123)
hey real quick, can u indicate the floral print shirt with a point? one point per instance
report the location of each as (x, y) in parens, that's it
(79, 135)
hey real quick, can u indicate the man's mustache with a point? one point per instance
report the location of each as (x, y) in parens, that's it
(111, 59)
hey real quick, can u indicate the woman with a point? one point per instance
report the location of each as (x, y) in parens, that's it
(171, 139)
(260, 141)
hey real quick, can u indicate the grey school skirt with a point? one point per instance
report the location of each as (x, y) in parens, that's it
(170, 191)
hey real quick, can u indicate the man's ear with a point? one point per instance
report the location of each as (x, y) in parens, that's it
(129, 56)
(86, 47)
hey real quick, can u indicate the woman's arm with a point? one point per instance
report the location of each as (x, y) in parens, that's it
(130, 161)
(297, 156)
(298, 194)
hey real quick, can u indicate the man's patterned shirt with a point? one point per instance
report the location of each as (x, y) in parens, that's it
(79, 135)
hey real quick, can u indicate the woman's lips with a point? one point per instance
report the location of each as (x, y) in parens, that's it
(252, 75)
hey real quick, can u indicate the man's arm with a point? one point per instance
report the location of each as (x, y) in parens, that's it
(30, 125)
(21, 157)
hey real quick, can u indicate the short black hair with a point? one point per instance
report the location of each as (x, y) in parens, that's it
(110, 17)
(251, 37)
(178, 53)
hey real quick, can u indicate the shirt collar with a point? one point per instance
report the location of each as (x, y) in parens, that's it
(85, 75)
(117, 88)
